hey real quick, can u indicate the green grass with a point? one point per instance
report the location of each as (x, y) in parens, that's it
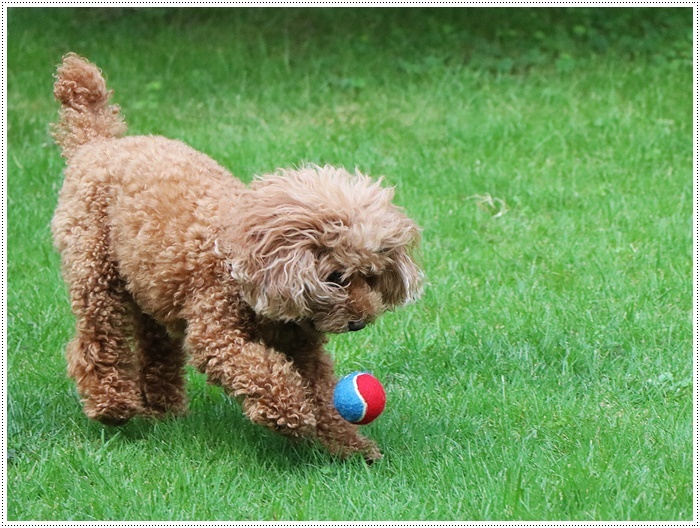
(547, 372)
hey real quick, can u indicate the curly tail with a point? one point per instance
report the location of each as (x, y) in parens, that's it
(85, 114)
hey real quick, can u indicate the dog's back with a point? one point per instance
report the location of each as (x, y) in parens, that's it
(153, 203)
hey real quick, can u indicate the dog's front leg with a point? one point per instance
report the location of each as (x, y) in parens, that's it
(272, 391)
(338, 435)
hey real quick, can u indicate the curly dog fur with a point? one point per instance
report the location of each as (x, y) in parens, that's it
(168, 257)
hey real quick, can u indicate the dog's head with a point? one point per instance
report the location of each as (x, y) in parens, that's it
(324, 247)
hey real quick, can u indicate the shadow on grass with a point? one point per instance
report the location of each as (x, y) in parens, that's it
(212, 428)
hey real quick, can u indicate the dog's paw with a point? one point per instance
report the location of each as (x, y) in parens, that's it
(162, 405)
(281, 419)
(295, 428)
(113, 413)
(372, 454)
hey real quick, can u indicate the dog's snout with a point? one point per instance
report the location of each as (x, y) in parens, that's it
(354, 326)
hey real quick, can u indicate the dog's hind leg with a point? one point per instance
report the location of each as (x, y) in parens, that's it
(100, 357)
(162, 362)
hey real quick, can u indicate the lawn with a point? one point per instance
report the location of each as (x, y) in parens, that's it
(546, 374)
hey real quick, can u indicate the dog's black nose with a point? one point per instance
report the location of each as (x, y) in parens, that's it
(354, 326)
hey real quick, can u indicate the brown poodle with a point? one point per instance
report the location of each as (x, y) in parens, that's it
(168, 256)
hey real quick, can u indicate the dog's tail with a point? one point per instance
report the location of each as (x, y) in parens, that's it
(85, 114)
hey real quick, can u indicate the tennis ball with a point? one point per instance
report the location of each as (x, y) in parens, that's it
(359, 398)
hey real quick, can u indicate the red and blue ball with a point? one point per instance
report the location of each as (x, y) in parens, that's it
(359, 398)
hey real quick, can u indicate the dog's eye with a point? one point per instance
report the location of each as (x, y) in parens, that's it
(372, 281)
(337, 278)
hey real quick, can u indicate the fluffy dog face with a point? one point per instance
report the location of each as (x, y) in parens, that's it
(323, 247)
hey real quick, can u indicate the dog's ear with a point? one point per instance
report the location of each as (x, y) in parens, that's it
(275, 274)
(402, 281)
(271, 251)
